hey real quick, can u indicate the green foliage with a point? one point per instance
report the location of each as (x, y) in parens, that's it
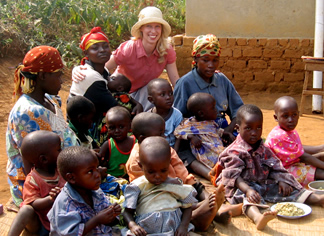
(61, 23)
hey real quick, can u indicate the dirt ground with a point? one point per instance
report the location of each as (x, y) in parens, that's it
(308, 127)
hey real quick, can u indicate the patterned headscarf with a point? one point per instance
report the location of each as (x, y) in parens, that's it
(206, 45)
(38, 59)
(95, 36)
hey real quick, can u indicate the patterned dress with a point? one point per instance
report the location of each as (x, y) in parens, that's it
(27, 116)
(209, 134)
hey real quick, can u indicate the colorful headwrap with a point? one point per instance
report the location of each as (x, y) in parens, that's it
(38, 59)
(206, 45)
(95, 36)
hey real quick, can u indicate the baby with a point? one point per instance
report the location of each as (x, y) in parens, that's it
(301, 161)
(119, 85)
(160, 94)
(162, 204)
(81, 207)
(252, 174)
(42, 184)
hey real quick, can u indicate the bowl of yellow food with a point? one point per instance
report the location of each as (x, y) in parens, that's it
(291, 210)
(317, 186)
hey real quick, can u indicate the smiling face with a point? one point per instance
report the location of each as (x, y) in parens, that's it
(206, 66)
(287, 114)
(98, 53)
(86, 174)
(151, 33)
(250, 128)
(161, 95)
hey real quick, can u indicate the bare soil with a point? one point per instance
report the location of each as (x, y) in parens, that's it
(309, 126)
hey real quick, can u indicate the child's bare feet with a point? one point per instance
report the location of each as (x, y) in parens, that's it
(235, 209)
(264, 219)
(220, 195)
(204, 214)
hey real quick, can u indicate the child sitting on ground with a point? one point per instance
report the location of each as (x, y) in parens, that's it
(252, 174)
(160, 94)
(301, 161)
(162, 204)
(81, 207)
(115, 151)
(80, 112)
(150, 124)
(202, 130)
(119, 85)
(42, 184)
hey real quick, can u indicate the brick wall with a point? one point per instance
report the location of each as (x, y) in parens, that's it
(256, 64)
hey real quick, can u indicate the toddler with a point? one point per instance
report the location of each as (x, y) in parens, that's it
(252, 174)
(202, 130)
(160, 94)
(42, 184)
(284, 141)
(116, 150)
(80, 112)
(119, 85)
(150, 124)
(162, 204)
(81, 207)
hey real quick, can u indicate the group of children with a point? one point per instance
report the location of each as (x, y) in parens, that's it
(63, 191)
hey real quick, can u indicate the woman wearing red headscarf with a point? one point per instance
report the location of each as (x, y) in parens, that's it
(95, 46)
(37, 81)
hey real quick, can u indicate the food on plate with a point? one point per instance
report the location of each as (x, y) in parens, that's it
(289, 209)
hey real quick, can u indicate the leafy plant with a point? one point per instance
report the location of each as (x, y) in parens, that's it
(60, 23)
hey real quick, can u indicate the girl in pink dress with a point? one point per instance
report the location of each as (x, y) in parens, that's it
(303, 162)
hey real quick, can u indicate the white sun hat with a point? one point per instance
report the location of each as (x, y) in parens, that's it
(150, 15)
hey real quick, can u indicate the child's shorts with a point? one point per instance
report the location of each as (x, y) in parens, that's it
(302, 172)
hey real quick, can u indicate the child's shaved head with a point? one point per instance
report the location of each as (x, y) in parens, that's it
(154, 147)
(284, 101)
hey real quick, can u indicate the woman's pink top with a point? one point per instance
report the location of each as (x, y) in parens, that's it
(286, 145)
(133, 62)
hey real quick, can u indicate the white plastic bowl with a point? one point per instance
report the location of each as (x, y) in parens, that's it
(315, 185)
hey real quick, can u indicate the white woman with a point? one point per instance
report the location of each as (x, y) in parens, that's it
(145, 56)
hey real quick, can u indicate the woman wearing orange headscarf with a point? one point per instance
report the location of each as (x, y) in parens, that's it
(95, 46)
(37, 82)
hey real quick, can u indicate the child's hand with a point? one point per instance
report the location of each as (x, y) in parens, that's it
(54, 192)
(106, 216)
(253, 196)
(181, 231)
(227, 138)
(195, 141)
(285, 189)
(116, 209)
(138, 230)
(102, 171)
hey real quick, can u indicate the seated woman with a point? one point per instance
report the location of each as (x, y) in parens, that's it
(37, 81)
(204, 78)
(95, 46)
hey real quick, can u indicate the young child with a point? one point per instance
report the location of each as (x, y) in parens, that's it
(252, 174)
(119, 85)
(80, 112)
(284, 141)
(81, 207)
(115, 151)
(160, 94)
(162, 204)
(150, 124)
(202, 130)
(42, 184)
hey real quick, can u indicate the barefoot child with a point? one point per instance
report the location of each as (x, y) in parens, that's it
(160, 94)
(300, 160)
(252, 174)
(115, 151)
(119, 85)
(42, 184)
(150, 124)
(156, 197)
(80, 112)
(202, 130)
(81, 207)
